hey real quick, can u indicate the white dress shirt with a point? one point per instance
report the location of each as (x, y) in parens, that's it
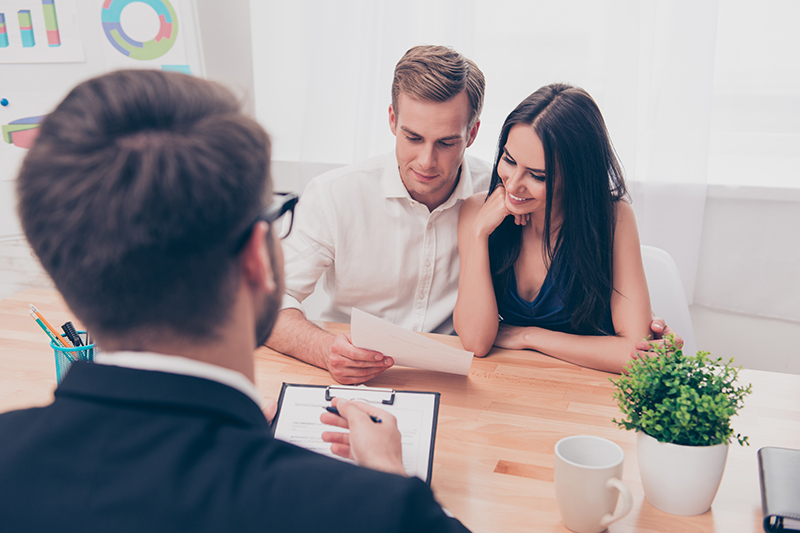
(376, 248)
(176, 364)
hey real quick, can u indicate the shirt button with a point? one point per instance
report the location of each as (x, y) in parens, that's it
(427, 263)
(415, 328)
(421, 296)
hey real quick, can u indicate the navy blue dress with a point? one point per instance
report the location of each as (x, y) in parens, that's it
(548, 310)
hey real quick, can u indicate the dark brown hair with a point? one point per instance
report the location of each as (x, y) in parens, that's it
(580, 157)
(438, 74)
(133, 193)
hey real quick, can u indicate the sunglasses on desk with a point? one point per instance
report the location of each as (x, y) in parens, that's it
(279, 214)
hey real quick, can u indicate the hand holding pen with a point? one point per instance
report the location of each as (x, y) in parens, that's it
(335, 411)
(374, 445)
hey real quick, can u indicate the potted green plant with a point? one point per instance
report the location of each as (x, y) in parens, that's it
(681, 407)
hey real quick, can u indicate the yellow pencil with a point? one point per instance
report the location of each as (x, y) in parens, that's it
(63, 340)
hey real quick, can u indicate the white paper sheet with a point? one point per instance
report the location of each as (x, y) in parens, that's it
(407, 348)
(298, 422)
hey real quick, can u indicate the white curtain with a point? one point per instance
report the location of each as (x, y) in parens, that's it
(676, 79)
(323, 72)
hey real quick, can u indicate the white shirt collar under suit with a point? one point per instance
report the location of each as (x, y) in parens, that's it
(176, 364)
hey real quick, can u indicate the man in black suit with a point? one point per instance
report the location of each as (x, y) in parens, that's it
(147, 199)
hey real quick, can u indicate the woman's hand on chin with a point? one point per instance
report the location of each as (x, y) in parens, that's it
(492, 212)
(521, 220)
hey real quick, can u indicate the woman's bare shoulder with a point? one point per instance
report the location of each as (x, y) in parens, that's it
(624, 212)
(472, 204)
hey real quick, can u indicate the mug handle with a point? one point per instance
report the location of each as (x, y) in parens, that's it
(627, 501)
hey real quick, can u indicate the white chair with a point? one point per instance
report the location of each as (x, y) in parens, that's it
(667, 297)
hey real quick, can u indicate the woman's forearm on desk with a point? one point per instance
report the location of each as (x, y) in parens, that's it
(608, 353)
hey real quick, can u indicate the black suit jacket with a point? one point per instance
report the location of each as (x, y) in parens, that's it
(131, 450)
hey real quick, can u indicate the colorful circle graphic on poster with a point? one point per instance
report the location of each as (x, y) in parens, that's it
(152, 49)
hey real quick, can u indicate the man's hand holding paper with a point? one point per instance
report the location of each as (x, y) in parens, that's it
(351, 365)
(406, 348)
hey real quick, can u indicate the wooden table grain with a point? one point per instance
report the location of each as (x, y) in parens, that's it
(493, 464)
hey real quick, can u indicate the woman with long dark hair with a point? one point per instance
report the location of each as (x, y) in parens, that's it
(550, 258)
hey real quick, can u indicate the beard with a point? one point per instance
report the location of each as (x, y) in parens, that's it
(266, 319)
(272, 302)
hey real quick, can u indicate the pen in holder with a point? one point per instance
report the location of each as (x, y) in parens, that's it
(66, 356)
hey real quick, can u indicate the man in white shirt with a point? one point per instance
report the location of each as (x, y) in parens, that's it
(383, 232)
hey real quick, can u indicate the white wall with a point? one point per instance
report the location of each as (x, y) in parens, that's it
(753, 342)
(749, 250)
(227, 48)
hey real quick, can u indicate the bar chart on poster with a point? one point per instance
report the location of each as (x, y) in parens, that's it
(48, 46)
(40, 31)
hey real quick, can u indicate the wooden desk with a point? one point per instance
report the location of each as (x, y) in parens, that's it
(493, 465)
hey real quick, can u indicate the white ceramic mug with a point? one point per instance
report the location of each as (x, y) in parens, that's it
(587, 475)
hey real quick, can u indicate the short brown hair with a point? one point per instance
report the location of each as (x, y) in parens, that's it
(437, 74)
(133, 193)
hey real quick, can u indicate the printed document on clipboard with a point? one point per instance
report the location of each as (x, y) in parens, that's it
(300, 406)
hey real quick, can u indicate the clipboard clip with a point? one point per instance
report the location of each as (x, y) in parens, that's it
(361, 393)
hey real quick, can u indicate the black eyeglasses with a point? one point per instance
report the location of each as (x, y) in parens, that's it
(282, 204)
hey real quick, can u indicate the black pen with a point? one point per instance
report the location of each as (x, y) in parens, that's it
(332, 409)
(72, 335)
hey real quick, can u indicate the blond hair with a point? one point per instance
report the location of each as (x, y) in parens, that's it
(437, 74)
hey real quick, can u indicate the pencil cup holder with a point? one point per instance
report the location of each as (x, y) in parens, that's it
(66, 356)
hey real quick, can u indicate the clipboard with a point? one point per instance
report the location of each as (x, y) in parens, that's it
(417, 413)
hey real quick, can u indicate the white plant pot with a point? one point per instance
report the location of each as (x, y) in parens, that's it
(680, 480)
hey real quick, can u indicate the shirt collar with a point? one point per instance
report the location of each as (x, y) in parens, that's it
(175, 364)
(393, 186)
